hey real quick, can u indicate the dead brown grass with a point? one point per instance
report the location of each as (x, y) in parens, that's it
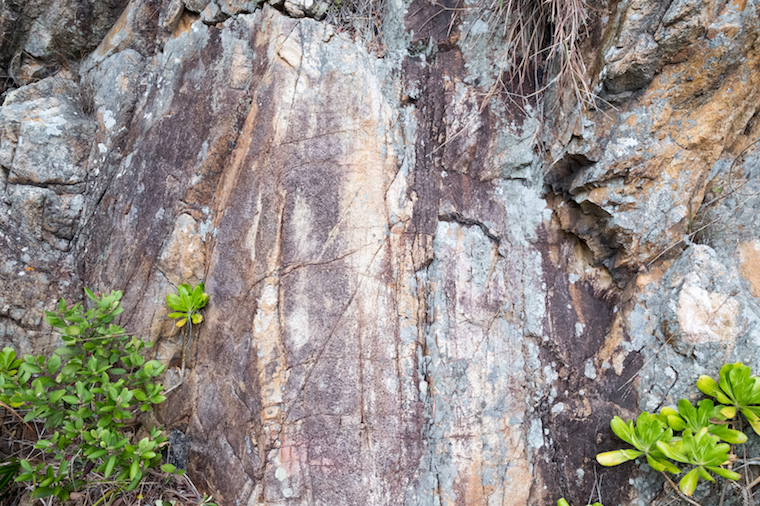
(542, 38)
(363, 18)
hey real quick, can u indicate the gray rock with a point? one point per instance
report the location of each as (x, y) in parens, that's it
(45, 141)
(417, 296)
(196, 5)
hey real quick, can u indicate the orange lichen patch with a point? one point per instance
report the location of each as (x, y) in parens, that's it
(749, 257)
(475, 492)
(612, 341)
(29, 268)
(518, 491)
(740, 4)
(185, 23)
(578, 299)
(646, 278)
(121, 24)
(599, 195)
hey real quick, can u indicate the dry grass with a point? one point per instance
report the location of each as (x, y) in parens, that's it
(541, 38)
(361, 17)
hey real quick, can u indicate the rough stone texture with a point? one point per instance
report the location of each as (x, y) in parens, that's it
(47, 36)
(416, 297)
(619, 168)
(44, 145)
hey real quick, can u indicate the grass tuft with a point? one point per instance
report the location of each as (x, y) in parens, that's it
(542, 37)
(363, 18)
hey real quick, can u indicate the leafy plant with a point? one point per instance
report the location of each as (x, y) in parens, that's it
(187, 303)
(738, 389)
(644, 436)
(695, 419)
(86, 395)
(702, 451)
(703, 428)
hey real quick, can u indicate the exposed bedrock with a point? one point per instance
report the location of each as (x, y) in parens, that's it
(422, 292)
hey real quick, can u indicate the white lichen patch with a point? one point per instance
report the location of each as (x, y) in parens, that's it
(706, 317)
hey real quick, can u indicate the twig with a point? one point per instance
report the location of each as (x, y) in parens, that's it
(691, 235)
(16, 414)
(678, 491)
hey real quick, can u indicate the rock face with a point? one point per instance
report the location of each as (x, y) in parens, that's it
(418, 296)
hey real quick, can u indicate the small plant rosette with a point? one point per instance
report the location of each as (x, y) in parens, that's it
(643, 435)
(186, 303)
(737, 390)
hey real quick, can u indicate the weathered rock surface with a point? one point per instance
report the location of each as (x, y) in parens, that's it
(417, 297)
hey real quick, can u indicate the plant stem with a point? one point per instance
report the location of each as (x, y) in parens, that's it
(678, 491)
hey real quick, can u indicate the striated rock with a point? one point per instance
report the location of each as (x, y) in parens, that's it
(418, 295)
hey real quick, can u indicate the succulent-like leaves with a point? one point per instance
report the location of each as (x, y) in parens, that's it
(689, 482)
(563, 502)
(701, 450)
(187, 302)
(644, 435)
(707, 386)
(695, 419)
(738, 389)
(616, 457)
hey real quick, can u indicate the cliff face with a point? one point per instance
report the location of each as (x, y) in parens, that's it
(418, 295)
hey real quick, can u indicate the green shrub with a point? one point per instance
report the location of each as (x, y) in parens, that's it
(86, 394)
(703, 428)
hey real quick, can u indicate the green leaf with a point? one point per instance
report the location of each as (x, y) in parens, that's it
(731, 436)
(753, 419)
(622, 430)
(689, 482)
(725, 473)
(53, 364)
(55, 321)
(707, 386)
(110, 465)
(168, 468)
(29, 368)
(616, 457)
(134, 469)
(41, 492)
(660, 465)
(135, 481)
(96, 454)
(197, 318)
(157, 399)
(672, 452)
(176, 303)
